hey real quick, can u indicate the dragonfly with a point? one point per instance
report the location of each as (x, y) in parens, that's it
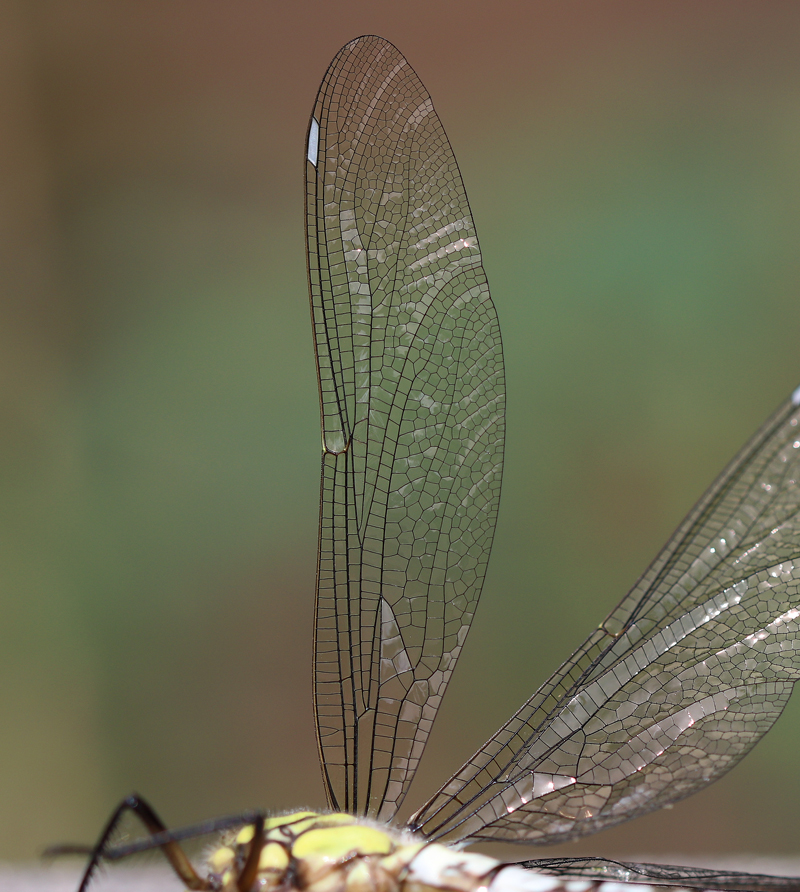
(668, 693)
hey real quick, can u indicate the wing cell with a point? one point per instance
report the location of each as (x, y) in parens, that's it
(412, 400)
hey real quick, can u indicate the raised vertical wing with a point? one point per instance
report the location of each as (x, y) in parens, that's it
(412, 394)
(679, 683)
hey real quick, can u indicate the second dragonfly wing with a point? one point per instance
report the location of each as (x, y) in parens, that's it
(673, 689)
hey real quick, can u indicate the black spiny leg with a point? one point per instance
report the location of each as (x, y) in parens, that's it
(147, 815)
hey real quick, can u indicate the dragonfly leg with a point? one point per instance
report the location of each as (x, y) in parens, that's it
(247, 878)
(147, 815)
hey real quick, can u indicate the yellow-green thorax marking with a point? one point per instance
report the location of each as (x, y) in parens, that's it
(339, 853)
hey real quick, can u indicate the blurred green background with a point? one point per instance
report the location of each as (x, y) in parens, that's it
(634, 171)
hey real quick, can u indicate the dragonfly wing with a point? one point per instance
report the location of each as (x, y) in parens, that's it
(412, 395)
(680, 681)
(681, 877)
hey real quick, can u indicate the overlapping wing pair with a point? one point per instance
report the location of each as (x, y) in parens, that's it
(679, 682)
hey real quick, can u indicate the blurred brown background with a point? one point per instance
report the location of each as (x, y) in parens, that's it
(634, 170)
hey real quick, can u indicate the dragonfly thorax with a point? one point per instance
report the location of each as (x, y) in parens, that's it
(340, 853)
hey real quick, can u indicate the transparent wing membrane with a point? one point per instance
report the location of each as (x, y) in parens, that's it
(412, 397)
(665, 876)
(676, 686)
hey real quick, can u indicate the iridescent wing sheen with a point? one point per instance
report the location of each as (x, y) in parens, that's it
(676, 686)
(412, 395)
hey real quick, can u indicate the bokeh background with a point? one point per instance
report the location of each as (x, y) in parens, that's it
(634, 171)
